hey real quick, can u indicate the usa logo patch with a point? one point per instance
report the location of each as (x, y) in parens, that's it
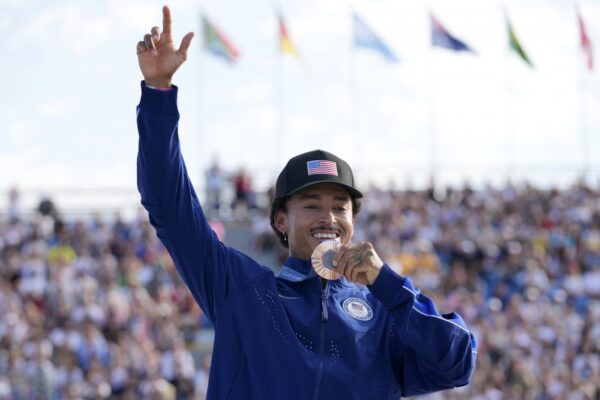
(321, 167)
(358, 309)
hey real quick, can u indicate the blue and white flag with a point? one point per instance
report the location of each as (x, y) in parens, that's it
(365, 37)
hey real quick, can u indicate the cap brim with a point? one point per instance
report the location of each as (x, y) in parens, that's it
(353, 192)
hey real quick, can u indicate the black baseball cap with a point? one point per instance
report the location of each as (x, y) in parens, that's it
(317, 166)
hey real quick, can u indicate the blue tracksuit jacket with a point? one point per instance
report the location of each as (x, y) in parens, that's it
(288, 337)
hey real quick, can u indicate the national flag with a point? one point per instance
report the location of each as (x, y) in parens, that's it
(285, 42)
(321, 167)
(586, 44)
(514, 43)
(440, 37)
(365, 37)
(216, 43)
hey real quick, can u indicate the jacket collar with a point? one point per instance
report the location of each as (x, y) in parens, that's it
(297, 270)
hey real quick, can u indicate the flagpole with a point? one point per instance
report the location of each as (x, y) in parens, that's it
(353, 106)
(431, 109)
(281, 114)
(585, 139)
(354, 88)
(585, 151)
(201, 89)
(278, 90)
(509, 127)
(364, 36)
(356, 107)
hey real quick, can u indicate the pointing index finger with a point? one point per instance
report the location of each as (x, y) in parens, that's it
(166, 20)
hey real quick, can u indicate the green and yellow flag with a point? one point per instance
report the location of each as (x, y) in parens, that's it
(514, 43)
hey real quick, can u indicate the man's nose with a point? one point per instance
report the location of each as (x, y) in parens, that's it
(327, 217)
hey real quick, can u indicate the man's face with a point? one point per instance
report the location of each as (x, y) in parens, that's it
(315, 214)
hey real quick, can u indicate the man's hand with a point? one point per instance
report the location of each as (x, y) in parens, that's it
(358, 262)
(158, 57)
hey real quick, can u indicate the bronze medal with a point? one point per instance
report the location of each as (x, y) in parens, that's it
(322, 257)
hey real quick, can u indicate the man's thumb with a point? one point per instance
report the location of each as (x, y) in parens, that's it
(185, 43)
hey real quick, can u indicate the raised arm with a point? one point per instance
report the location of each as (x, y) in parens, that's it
(157, 55)
(210, 269)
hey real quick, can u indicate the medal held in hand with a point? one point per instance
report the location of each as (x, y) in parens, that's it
(322, 257)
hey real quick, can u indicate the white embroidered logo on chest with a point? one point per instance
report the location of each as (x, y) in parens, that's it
(358, 309)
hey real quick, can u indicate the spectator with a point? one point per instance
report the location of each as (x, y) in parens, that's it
(215, 183)
(244, 194)
(13, 210)
(47, 208)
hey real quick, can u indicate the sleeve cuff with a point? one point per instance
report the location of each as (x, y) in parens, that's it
(388, 287)
(159, 102)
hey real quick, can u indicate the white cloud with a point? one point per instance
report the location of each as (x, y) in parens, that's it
(60, 25)
(80, 27)
(18, 165)
(11, 2)
(258, 90)
(22, 133)
(57, 107)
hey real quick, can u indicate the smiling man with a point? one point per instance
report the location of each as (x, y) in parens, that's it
(315, 200)
(367, 335)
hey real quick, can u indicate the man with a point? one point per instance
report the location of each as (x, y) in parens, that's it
(368, 335)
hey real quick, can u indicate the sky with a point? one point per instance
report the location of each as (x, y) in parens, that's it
(67, 113)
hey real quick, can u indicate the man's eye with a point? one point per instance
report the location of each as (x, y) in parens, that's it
(310, 207)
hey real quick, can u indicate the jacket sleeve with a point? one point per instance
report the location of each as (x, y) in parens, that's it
(210, 269)
(436, 352)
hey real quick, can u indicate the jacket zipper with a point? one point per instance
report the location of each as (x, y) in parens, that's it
(324, 318)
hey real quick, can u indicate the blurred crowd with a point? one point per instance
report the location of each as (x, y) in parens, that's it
(95, 310)
(521, 265)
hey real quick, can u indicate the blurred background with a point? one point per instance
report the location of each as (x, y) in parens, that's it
(472, 126)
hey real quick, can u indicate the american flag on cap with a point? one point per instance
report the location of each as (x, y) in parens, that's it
(321, 167)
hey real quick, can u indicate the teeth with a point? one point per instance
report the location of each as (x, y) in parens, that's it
(325, 236)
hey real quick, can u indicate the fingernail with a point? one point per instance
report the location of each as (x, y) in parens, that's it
(334, 263)
(154, 52)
